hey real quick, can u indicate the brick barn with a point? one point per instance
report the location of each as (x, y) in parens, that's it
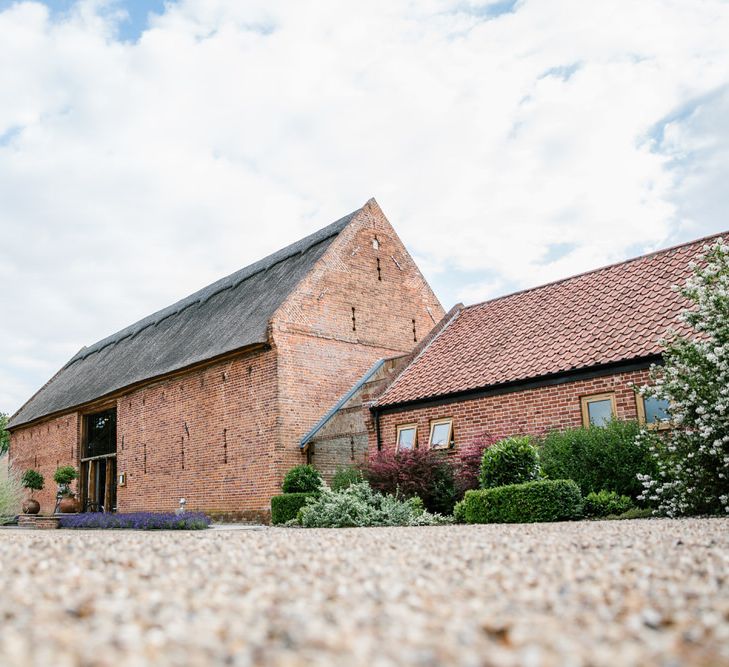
(209, 398)
(562, 355)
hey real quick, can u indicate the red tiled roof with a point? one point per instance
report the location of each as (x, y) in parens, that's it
(609, 315)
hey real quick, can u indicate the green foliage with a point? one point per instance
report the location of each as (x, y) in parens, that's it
(459, 512)
(598, 458)
(634, 513)
(606, 503)
(286, 507)
(509, 461)
(359, 505)
(301, 479)
(11, 494)
(543, 500)
(4, 433)
(64, 475)
(692, 459)
(345, 477)
(33, 480)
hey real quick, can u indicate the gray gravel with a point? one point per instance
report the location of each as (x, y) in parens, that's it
(591, 593)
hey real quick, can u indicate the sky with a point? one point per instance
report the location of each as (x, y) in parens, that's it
(149, 148)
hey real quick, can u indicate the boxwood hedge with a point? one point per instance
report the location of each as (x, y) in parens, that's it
(286, 506)
(544, 500)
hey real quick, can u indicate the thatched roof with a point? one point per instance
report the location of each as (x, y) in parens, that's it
(231, 314)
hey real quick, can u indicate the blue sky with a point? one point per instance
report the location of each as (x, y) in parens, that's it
(149, 148)
(129, 28)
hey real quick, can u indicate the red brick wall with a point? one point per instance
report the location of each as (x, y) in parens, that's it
(533, 412)
(206, 436)
(44, 447)
(321, 355)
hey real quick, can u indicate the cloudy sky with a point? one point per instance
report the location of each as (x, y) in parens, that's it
(148, 148)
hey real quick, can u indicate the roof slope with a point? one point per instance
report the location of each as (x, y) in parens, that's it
(609, 315)
(228, 315)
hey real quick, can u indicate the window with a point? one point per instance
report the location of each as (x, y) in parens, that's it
(441, 433)
(653, 411)
(100, 434)
(598, 410)
(407, 436)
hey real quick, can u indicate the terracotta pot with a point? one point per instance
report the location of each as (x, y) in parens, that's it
(31, 506)
(68, 505)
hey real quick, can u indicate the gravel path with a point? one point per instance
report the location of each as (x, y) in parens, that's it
(592, 593)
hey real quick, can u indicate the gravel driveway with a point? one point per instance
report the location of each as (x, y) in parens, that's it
(651, 592)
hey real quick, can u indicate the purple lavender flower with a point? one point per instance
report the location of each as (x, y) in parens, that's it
(137, 521)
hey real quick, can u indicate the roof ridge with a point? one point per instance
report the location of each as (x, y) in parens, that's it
(654, 253)
(230, 281)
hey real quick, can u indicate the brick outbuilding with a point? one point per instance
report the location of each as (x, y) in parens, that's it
(209, 398)
(566, 354)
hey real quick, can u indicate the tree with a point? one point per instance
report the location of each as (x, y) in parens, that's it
(693, 457)
(4, 434)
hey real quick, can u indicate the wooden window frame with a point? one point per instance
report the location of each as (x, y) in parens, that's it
(653, 426)
(407, 427)
(437, 422)
(594, 398)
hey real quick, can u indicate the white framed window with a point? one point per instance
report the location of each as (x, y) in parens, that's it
(653, 412)
(441, 433)
(407, 436)
(598, 409)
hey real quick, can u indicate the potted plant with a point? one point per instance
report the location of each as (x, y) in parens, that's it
(67, 502)
(34, 481)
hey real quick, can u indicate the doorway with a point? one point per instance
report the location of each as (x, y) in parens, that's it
(98, 462)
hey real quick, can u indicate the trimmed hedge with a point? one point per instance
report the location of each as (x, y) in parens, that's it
(286, 506)
(543, 500)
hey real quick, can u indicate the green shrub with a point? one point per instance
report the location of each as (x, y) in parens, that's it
(301, 479)
(459, 512)
(33, 480)
(597, 458)
(634, 513)
(11, 495)
(345, 477)
(64, 475)
(509, 461)
(359, 505)
(543, 500)
(286, 506)
(606, 503)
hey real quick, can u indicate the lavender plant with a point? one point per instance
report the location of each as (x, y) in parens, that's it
(137, 521)
(693, 458)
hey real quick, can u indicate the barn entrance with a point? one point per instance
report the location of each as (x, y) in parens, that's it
(98, 462)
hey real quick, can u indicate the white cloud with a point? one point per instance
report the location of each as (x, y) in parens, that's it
(134, 173)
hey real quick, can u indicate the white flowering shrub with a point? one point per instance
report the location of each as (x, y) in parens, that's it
(693, 457)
